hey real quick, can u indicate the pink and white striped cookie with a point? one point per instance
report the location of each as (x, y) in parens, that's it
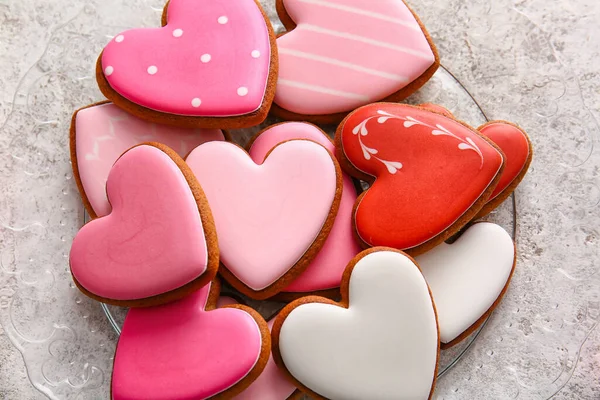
(339, 55)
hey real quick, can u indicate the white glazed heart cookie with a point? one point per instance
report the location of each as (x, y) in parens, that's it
(380, 342)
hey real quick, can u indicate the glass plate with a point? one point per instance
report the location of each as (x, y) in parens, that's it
(443, 89)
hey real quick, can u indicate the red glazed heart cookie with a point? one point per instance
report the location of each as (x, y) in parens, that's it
(342, 54)
(324, 273)
(189, 350)
(518, 153)
(157, 244)
(212, 65)
(272, 218)
(100, 133)
(380, 342)
(431, 174)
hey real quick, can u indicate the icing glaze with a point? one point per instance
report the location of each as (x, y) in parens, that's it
(515, 146)
(267, 215)
(271, 384)
(429, 171)
(467, 277)
(346, 53)
(104, 132)
(326, 270)
(202, 63)
(180, 351)
(153, 240)
(384, 345)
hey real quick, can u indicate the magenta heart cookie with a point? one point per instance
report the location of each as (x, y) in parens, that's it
(272, 218)
(343, 54)
(100, 133)
(213, 64)
(325, 272)
(157, 244)
(189, 350)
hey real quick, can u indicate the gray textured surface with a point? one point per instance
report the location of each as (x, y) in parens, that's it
(530, 61)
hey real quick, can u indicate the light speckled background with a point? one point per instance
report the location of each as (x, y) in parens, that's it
(534, 62)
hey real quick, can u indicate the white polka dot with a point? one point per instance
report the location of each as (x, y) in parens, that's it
(255, 54)
(223, 20)
(108, 70)
(242, 91)
(177, 32)
(119, 38)
(205, 58)
(152, 69)
(196, 102)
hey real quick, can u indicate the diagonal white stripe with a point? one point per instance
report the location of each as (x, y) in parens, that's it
(357, 38)
(338, 63)
(409, 24)
(321, 89)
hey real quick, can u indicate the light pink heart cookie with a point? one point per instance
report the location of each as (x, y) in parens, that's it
(212, 64)
(271, 384)
(339, 55)
(100, 133)
(159, 241)
(272, 218)
(326, 270)
(189, 350)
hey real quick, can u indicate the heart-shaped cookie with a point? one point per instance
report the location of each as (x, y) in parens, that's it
(380, 342)
(325, 272)
(340, 55)
(189, 350)
(468, 278)
(431, 174)
(101, 132)
(272, 383)
(159, 241)
(518, 153)
(213, 64)
(272, 218)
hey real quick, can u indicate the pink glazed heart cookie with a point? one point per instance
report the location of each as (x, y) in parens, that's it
(158, 243)
(339, 55)
(101, 132)
(188, 349)
(212, 65)
(272, 383)
(324, 273)
(430, 174)
(272, 218)
(380, 342)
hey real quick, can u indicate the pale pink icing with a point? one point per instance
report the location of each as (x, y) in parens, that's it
(326, 270)
(153, 240)
(179, 351)
(344, 54)
(267, 215)
(211, 59)
(104, 132)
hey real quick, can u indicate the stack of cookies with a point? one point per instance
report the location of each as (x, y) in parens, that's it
(377, 280)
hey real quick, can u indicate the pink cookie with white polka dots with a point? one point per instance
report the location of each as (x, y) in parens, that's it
(213, 64)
